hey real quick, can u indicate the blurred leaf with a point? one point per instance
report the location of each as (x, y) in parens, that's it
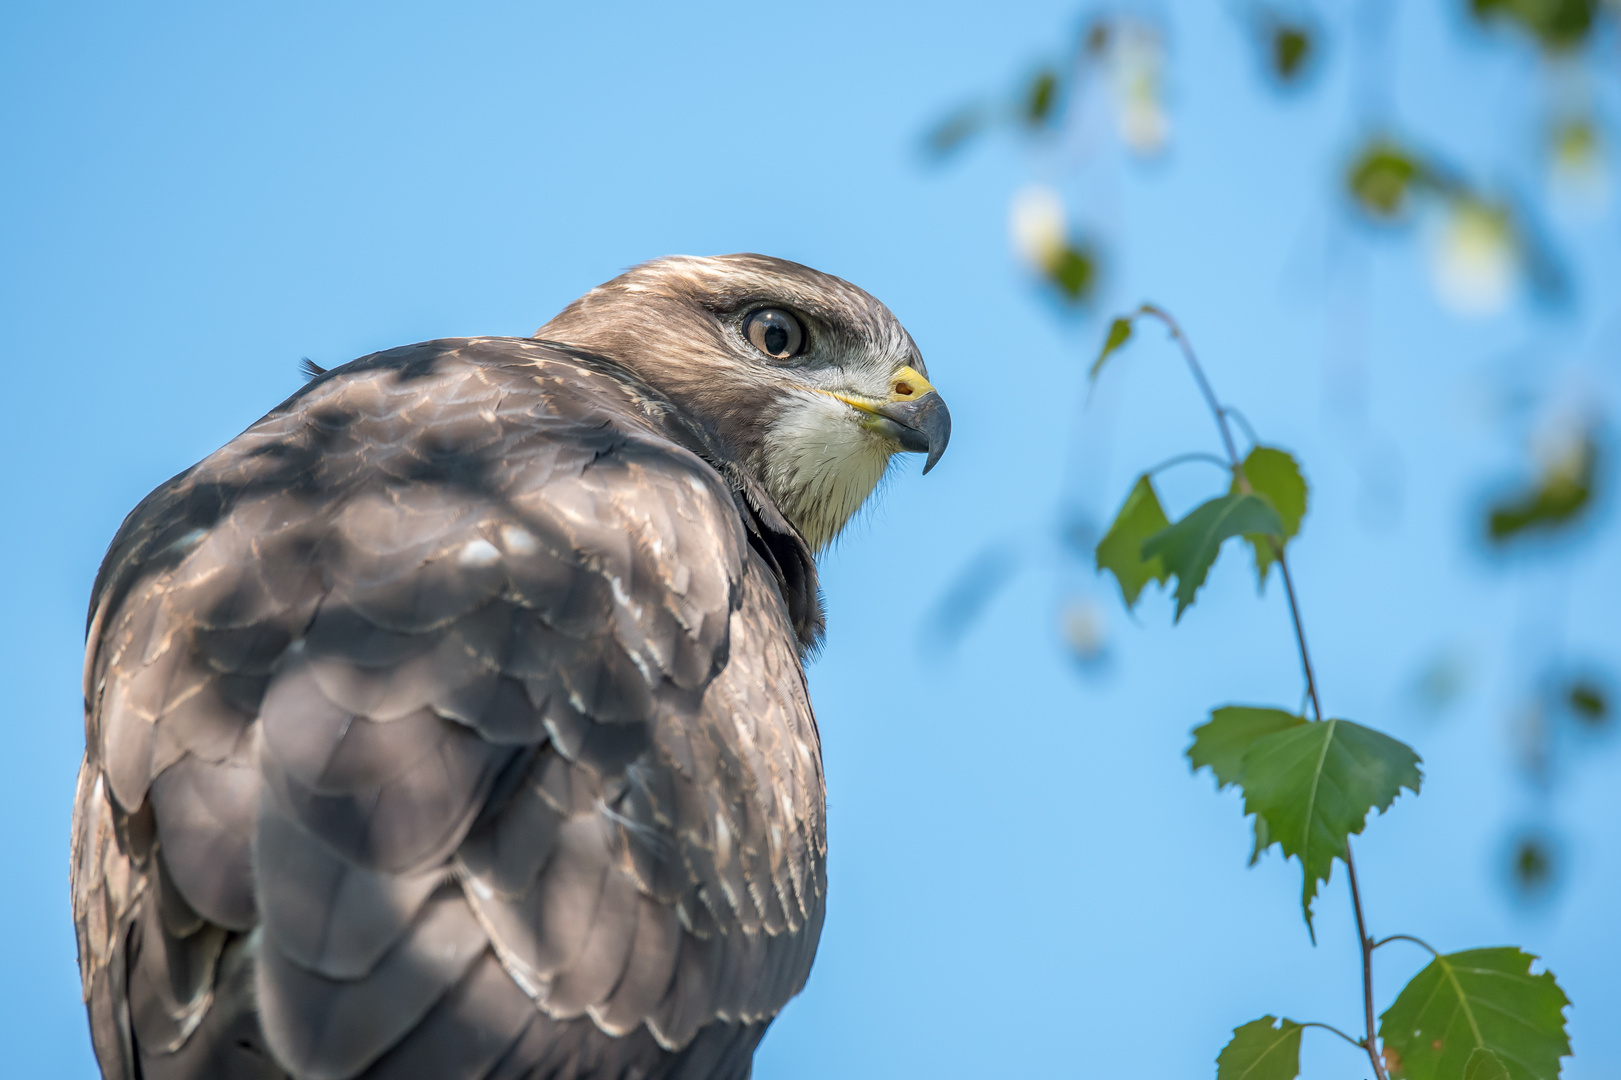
(1264, 1049)
(1556, 24)
(1189, 548)
(1557, 498)
(1040, 98)
(1095, 42)
(1274, 475)
(1119, 334)
(1532, 863)
(1220, 744)
(1074, 270)
(1441, 680)
(952, 133)
(1588, 702)
(1289, 45)
(1121, 550)
(971, 593)
(1478, 998)
(1485, 1065)
(1382, 177)
(1315, 783)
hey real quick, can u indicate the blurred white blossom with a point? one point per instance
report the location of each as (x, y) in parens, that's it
(1085, 630)
(1038, 226)
(1139, 70)
(1475, 259)
(1577, 171)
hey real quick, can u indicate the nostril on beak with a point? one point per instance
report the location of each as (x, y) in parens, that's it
(904, 389)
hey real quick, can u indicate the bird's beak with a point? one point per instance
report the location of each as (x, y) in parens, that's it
(914, 415)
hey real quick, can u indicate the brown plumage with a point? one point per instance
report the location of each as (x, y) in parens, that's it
(450, 721)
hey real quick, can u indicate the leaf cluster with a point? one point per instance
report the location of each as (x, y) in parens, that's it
(1310, 784)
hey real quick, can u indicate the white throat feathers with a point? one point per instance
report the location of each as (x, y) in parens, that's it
(820, 464)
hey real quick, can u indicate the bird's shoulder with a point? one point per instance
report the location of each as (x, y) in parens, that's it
(458, 665)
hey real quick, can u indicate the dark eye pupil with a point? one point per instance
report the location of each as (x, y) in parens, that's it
(775, 333)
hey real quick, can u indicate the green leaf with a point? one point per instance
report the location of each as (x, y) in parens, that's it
(1485, 1065)
(1264, 1049)
(1221, 744)
(1382, 177)
(1559, 25)
(1121, 550)
(1291, 48)
(1314, 784)
(954, 132)
(1480, 998)
(1040, 97)
(1074, 271)
(1588, 701)
(1119, 334)
(1554, 501)
(1188, 548)
(1274, 475)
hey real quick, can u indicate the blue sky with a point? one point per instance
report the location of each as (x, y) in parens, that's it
(1025, 879)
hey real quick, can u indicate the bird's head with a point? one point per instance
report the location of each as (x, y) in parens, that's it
(806, 381)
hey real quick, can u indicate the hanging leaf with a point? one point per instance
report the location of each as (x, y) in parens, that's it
(1189, 548)
(1040, 98)
(1274, 475)
(1119, 334)
(1264, 1049)
(1073, 271)
(1220, 744)
(1382, 178)
(954, 132)
(1314, 784)
(1533, 864)
(1479, 998)
(1554, 501)
(1291, 48)
(1121, 550)
(1588, 702)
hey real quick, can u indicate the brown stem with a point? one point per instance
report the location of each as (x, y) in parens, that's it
(1199, 377)
(1220, 414)
(1371, 1042)
(1300, 629)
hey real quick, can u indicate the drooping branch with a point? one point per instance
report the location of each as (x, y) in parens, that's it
(1365, 944)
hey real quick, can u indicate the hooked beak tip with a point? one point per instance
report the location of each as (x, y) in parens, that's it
(922, 426)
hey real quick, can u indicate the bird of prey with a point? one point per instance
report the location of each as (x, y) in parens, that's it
(450, 722)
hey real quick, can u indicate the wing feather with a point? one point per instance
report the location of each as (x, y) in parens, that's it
(468, 725)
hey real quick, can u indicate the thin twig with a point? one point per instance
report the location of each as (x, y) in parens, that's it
(1221, 413)
(1300, 628)
(1182, 459)
(1420, 942)
(1243, 422)
(1330, 1027)
(1198, 376)
(1365, 944)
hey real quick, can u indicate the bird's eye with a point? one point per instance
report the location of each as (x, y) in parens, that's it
(775, 333)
